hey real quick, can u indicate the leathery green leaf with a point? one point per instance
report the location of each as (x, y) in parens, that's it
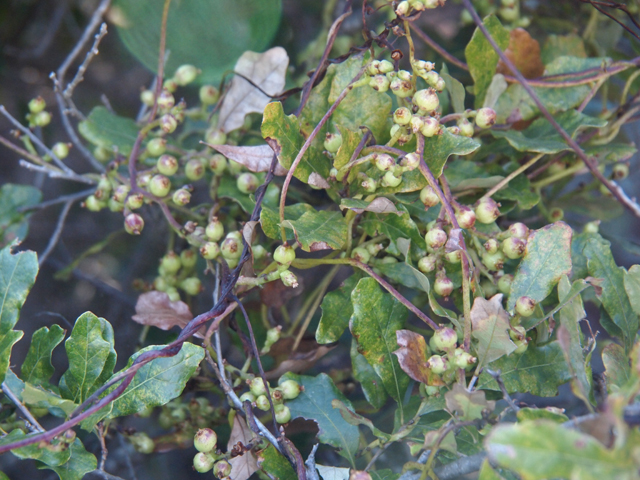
(275, 464)
(336, 311)
(632, 287)
(394, 227)
(37, 368)
(615, 300)
(270, 219)
(80, 463)
(376, 317)
(91, 353)
(109, 131)
(482, 58)
(546, 259)
(490, 328)
(364, 373)
(544, 449)
(17, 275)
(321, 230)
(47, 456)
(314, 403)
(617, 371)
(14, 224)
(539, 371)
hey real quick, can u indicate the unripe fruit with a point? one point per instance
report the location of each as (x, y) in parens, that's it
(203, 462)
(443, 286)
(504, 283)
(427, 264)
(487, 211)
(37, 105)
(519, 230)
(556, 214)
(170, 85)
(401, 88)
(620, 171)
(432, 390)
(135, 201)
(332, 142)
(426, 99)
(181, 197)
(276, 397)
(147, 97)
(284, 415)
(491, 245)
(361, 254)
(168, 123)
(133, 224)
(214, 230)
(369, 185)
(416, 123)
(167, 165)
(115, 206)
(410, 161)
(290, 389)
(485, 117)
(431, 78)
(160, 186)
(185, 74)
(231, 249)
(194, 169)
(488, 288)
(257, 387)
(403, 8)
(440, 85)
(42, 119)
(431, 127)
(437, 364)
(462, 359)
(435, 238)
(247, 183)
(514, 247)
(156, 146)
(259, 252)
(518, 333)
(215, 137)
(402, 116)
(454, 257)
(525, 306)
(218, 164)
(493, 261)
(170, 263)
(521, 346)
(466, 217)
(234, 167)
(210, 250)
(121, 192)
(592, 227)
(61, 150)
(466, 128)
(390, 180)
(142, 443)
(247, 397)
(384, 162)
(222, 469)
(205, 440)
(429, 197)
(188, 258)
(93, 204)
(284, 254)
(289, 279)
(166, 100)
(273, 335)
(380, 83)
(191, 285)
(262, 402)
(208, 94)
(445, 338)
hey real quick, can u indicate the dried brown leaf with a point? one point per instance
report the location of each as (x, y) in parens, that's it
(377, 205)
(156, 309)
(256, 158)
(266, 70)
(300, 361)
(317, 181)
(524, 52)
(245, 465)
(412, 356)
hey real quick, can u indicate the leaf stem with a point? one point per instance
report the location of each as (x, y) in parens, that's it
(503, 183)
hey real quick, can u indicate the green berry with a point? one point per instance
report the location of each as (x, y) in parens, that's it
(454, 257)
(518, 333)
(188, 258)
(262, 402)
(170, 85)
(181, 197)
(519, 230)
(167, 165)
(361, 254)
(284, 254)
(466, 217)
(191, 285)
(369, 184)
(488, 288)
(160, 186)
(493, 261)
(487, 211)
(402, 116)
(430, 127)
(429, 197)
(401, 88)
(257, 387)
(445, 338)
(620, 171)
(435, 238)
(208, 94)
(133, 224)
(147, 97)
(504, 283)
(215, 136)
(431, 390)
(37, 105)
(210, 250)
(166, 100)
(93, 204)
(171, 263)
(205, 440)
(427, 264)
(466, 128)
(485, 117)
(168, 123)
(247, 183)
(380, 83)
(592, 227)
(289, 279)
(525, 306)
(61, 150)
(142, 443)
(115, 206)
(462, 359)
(290, 389)
(556, 214)
(437, 364)
(135, 201)
(521, 346)
(273, 335)
(440, 85)
(277, 396)
(284, 415)
(203, 462)
(332, 142)
(194, 169)
(185, 74)
(410, 161)
(222, 469)
(443, 286)
(383, 162)
(259, 252)
(390, 180)
(247, 397)
(491, 245)
(156, 146)
(42, 119)
(514, 247)
(121, 192)
(218, 164)
(426, 100)
(214, 230)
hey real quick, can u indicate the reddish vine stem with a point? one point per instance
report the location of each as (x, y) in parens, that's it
(307, 144)
(613, 187)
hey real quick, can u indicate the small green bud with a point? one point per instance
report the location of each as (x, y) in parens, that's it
(465, 216)
(259, 252)
(427, 264)
(170, 85)
(61, 150)
(485, 117)
(205, 440)
(401, 88)
(519, 230)
(170, 263)
(156, 146)
(493, 261)
(284, 254)
(488, 287)
(518, 332)
(194, 169)
(168, 123)
(185, 74)
(290, 389)
(166, 100)
(273, 335)
(514, 247)
(215, 136)
(247, 183)
(102, 154)
(504, 283)
(147, 98)
(592, 227)
(430, 127)
(218, 164)
(525, 306)
(466, 128)
(262, 402)
(210, 250)
(491, 245)
(429, 197)
(289, 279)
(42, 119)
(556, 214)
(454, 257)
(135, 201)
(383, 162)
(203, 462)
(257, 387)
(487, 211)
(214, 230)
(445, 338)
(620, 171)
(440, 85)
(142, 443)
(284, 415)
(521, 346)
(361, 254)
(209, 94)
(380, 83)
(188, 258)
(463, 359)
(410, 161)
(390, 180)
(231, 249)
(181, 197)
(133, 224)
(167, 165)
(332, 142)
(437, 364)
(115, 206)
(247, 396)
(416, 123)
(443, 286)
(37, 105)
(120, 193)
(93, 204)
(403, 8)
(369, 184)
(277, 396)
(435, 238)
(222, 469)
(160, 186)
(402, 116)
(426, 100)
(191, 285)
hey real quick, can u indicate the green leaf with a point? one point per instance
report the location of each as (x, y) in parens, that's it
(570, 338)
(109, 131)
(384, 474)
(394, 227)
(336, 311)
(80, 463)
(91, 352)
(546, 259)
(541, 137)
(17, 275)
(368, 378)
(350, 141)
(538, 371)
(48, 456)
(617, 371)
(562, 45)
(456, 92)
(488, 473)
(333, 473)
(228, 188)
(632, 287)
(270, 219)
(490, 327)
(40, 397)
(159, 381)
(37, 368)
(319, 230)
(551, 413)
(544, 449)
(482, 58)
(376, 317)
(13, 224)
(196, 30)
(614, 296)
(353, 418)
(275, 465)
(282, 132)
(314, 403)
(467, 405)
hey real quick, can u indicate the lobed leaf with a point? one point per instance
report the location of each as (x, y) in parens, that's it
(109, 131)
(37, 368)
(319, 230)
(336, 311)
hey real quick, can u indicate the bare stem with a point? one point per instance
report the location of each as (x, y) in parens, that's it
(505, 181)
(56, 233)
(25, 411)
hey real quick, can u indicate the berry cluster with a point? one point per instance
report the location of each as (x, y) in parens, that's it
(257, 395)
(208, 458)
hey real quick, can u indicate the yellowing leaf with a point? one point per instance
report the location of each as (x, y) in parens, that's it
(490, 327)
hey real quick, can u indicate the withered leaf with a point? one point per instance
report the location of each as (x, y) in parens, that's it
(490, 327)
(308, 353)
(467, 405)
(255, 158)
(156, 309)
(245, 465)
(524, 52)
(412, 356)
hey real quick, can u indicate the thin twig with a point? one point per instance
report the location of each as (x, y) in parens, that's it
(21, 151)
(49, 172)
(56, 233)
(24, 410)
(505, 181)
(93, 51)
(435, 46)
(102, 432)
(62, 199)
(613, 187)
(496, 376)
